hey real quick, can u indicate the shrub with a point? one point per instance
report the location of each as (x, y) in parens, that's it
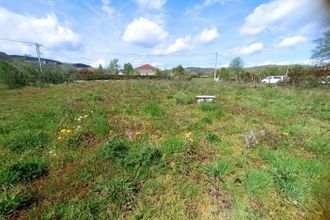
(10, 76)
(25, 139)
(143, 157)
(258, 182)
(115, 148)
(25, 170)
(12, 199)
(153, 109)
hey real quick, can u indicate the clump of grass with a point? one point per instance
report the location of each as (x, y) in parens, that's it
(207, 107)
(114, 149)
(80, 138)
(143, 157)
(218, 170)
(120, 191)
(153, 109)
(173, 145)
(258, 182)
(21, 140)
(184, 100)
(12, 199)
(25, 170)
(210, 136)
(96, 96)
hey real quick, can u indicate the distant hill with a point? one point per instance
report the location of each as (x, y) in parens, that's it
(5, 56)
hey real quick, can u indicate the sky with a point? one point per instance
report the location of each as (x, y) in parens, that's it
(165, 33)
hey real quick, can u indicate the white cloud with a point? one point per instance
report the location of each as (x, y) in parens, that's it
(150, 4)
(98, 62)
(208, 35)
(206, 3)
(45, 30)
(270, 13)
(291, 41)
(250, 49)
(107, 8)
(180, 44)
(144, 32)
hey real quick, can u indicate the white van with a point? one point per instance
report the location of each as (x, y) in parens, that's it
(273, 79)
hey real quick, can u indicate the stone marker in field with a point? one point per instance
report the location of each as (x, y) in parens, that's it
(205, 98)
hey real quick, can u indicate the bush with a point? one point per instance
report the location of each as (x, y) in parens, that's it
(12, 199)
(153, 109)
(25, 139)
(115, 148)
(10, 76)
(25, 170)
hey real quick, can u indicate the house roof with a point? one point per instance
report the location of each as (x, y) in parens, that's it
(145, 67)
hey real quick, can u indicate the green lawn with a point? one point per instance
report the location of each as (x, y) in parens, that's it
(146, 150)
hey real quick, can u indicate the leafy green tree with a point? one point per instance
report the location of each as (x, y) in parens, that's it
(100, 70)
(179, 70)
(236, 66)
(128, 69)
(321, 53)
(224, 73)
(114, 66)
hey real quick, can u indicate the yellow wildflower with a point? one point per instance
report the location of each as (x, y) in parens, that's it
(285, 134)
(63, 130)
(85, 116)
(68, 131)
(59, 138)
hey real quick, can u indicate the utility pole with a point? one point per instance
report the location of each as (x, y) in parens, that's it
(215, 67)
(38, 53)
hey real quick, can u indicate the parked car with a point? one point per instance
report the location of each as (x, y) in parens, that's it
(273, 79)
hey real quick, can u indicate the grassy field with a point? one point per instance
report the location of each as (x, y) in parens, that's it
(146, 150)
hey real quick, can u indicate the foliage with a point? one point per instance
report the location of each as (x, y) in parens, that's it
(128, 69)
(10, 76)
(322, 49)
(114, 66)
(236, 65)
(179, 70)
(143, 157)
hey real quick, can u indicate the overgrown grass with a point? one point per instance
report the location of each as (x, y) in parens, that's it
(147, 150)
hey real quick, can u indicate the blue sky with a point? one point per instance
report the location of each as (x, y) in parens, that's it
(165, 33)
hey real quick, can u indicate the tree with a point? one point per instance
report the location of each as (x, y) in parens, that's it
(321, 53)
(236, 65)
(128, 69)
(179, 70)
(223, 73)
(114, 66)
(100, 70)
